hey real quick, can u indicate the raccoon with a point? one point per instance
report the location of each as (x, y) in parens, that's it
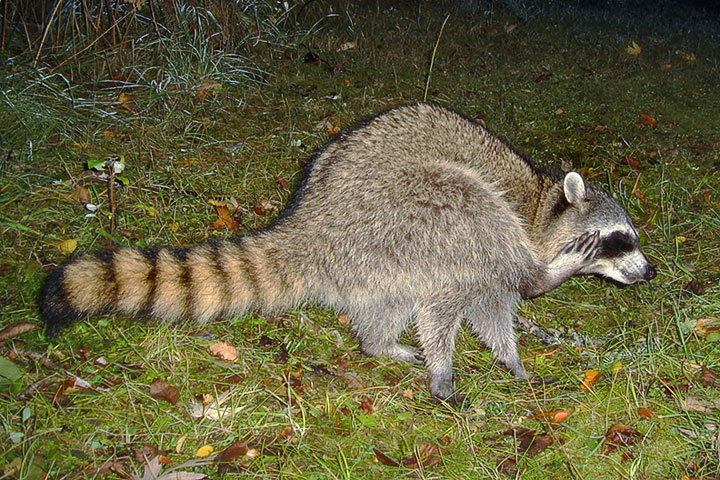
(417, 215)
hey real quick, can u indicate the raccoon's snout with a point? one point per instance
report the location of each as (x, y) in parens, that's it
(650, 272)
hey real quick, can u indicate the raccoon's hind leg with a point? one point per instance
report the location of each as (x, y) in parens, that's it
(378, 327)
(492, 320)
(438, 321)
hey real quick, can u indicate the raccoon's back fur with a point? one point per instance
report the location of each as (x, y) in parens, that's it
(417, 214)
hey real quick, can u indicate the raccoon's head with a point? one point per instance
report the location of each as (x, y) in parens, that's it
(587, 209)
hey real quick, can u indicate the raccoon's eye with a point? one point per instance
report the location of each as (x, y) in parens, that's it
(615, 245)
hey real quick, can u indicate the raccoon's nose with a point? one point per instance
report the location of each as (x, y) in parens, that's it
(650, 272)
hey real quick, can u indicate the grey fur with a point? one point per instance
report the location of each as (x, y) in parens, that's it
(417, 215)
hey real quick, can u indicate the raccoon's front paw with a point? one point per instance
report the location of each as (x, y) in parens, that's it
(581, 251)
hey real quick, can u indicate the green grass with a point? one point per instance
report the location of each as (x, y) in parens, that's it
(544, 77)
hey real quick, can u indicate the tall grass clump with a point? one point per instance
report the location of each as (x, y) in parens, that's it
(76, 68)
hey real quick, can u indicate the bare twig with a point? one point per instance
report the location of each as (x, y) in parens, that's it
(111, 191)
(45, 31)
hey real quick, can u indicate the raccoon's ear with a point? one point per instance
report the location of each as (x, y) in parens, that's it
(574, 188)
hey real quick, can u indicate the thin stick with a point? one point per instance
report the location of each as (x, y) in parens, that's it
(2, 42)
(432, 59)
(45, 32)
(111, 187)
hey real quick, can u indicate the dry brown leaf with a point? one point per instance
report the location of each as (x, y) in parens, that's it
(161, 390)
(366, 405)
(17, 328)
(706, 325)
(80, 195)
(707, 377)
(237, 449)
(384, 459)
(145, 452)
(281, 182)
(645, 413)
(224, 220)
(695, 287)
(425, 454)
(631, 162)
(207, 88)
(224, 351)
(619, 435)
(125, 101)
(647, 120)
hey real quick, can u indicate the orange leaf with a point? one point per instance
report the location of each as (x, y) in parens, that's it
(645, 413)
(591, 377)
(647, 120)
(554, 416)
(224, 219)
(366, 405)
(125, 101)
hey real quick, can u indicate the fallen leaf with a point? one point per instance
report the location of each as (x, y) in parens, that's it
(347, 46)
(631, 162)
(384, 459)
(146, 452)
(208, 88)
(665, 66)
(281, 182)
(619, 435)
(707, 377)
(645, 413)
(600, 128)
(205, 451)
(224, 220)
(695, 287)
(224, 351)
(366, 405)
(343, 320)
(332, 130)
(690, 57)
(591, 377)
(80, 195)
(705, 325)
(508, 466)
(125, 101)
(554, 416)
(425, 454)
(696, 404)
(633, 49)
(647, 120)
(17, 328)
(237, 449)
(161, 390)
(68, 246)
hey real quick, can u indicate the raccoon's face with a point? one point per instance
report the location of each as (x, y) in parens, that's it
(620, 257)
(590, 209)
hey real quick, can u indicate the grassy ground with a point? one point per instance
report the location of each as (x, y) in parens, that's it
(300, 402)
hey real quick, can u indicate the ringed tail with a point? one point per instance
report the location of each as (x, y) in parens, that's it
(217, 278)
